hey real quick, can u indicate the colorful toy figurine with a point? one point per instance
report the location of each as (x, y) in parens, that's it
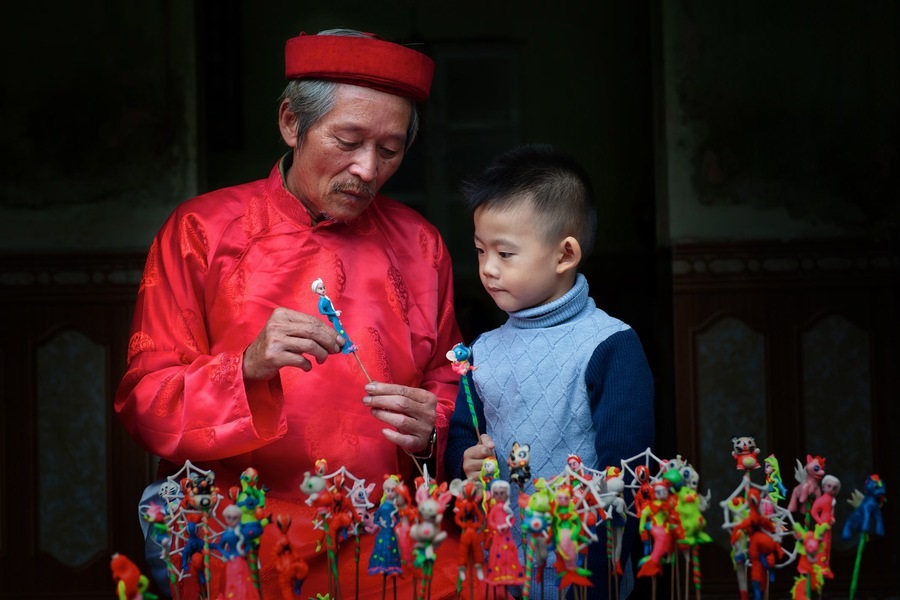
(740, 543)
(656, 524)
(326, 307)
(489, 470)
(536, 526)
(130, 583)
(822, 512)
(866, 520)
(426, 533)
(251, 500)
(406, 515)
(745, 452)
(460, 357)
(289, 563)
(519, 464)
(810, 547)
(235, 548)
(504, 567)
(568, 539)
(808, 487)
(775, 489)
(763, 549)
(468, 516)
(689, 506)
(385, 559)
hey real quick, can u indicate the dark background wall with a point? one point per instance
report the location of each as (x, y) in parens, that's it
(738, 149)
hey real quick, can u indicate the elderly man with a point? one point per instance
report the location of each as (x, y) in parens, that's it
(230, 364)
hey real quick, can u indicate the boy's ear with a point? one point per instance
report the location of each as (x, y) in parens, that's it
(569, 255)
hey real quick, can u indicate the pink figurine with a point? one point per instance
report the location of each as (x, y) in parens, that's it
(808, 489)
(504, 567)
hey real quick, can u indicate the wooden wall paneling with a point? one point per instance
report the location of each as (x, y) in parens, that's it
(782, 290)
(43, 297)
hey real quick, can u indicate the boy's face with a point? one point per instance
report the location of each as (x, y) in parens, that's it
(518, 267)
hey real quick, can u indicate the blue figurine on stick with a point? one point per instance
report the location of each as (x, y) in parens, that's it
(866, 519)
(327, 308)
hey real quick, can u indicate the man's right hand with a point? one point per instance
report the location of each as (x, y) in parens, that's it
(285, 341)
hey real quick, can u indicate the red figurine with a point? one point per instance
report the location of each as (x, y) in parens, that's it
(289, 563)
(130, 583)
(762, 548)
(468, 515)
(745, 452)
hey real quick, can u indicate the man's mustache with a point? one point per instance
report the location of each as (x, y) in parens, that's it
(355, 187)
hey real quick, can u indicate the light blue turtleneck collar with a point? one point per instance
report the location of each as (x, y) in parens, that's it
(553, 313)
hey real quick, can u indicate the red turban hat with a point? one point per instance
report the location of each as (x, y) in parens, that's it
(364, 61)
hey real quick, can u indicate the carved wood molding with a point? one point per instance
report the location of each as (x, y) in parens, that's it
(696, 267)
(107, 275)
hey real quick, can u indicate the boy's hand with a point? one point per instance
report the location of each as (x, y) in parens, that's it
(474, 456)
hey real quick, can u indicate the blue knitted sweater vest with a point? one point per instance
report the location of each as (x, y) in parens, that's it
(531, 378)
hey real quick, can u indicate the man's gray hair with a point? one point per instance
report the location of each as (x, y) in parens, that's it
(312, 99)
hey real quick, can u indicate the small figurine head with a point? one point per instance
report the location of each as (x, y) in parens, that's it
(574, 462)
(564, 495)
(772, 466)
(615, 484)
(519, 456)
(232, 514)
(459, 353)
(429, 510)
(318, 286)
(642, 474)
(201, 490)
(500, 490)
(673, 478)
(249, 478)
(744, 444)
(321, 467)
(831, 485)
(489, 468)
(673, 463)
(403, 498)
(875, 487)
(389, 488)
(660, 490)
(815, 466)
(312, 485)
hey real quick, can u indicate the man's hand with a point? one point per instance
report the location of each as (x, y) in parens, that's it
(474, 456)
(411, 412)
(285, 341)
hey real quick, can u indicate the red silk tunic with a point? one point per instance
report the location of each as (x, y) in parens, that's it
(215, 272)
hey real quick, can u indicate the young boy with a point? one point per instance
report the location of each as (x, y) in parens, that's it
(560, 375)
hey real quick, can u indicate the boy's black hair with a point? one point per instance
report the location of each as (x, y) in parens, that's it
(556, 185)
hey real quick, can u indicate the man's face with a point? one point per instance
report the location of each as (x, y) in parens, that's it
(345, 158)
